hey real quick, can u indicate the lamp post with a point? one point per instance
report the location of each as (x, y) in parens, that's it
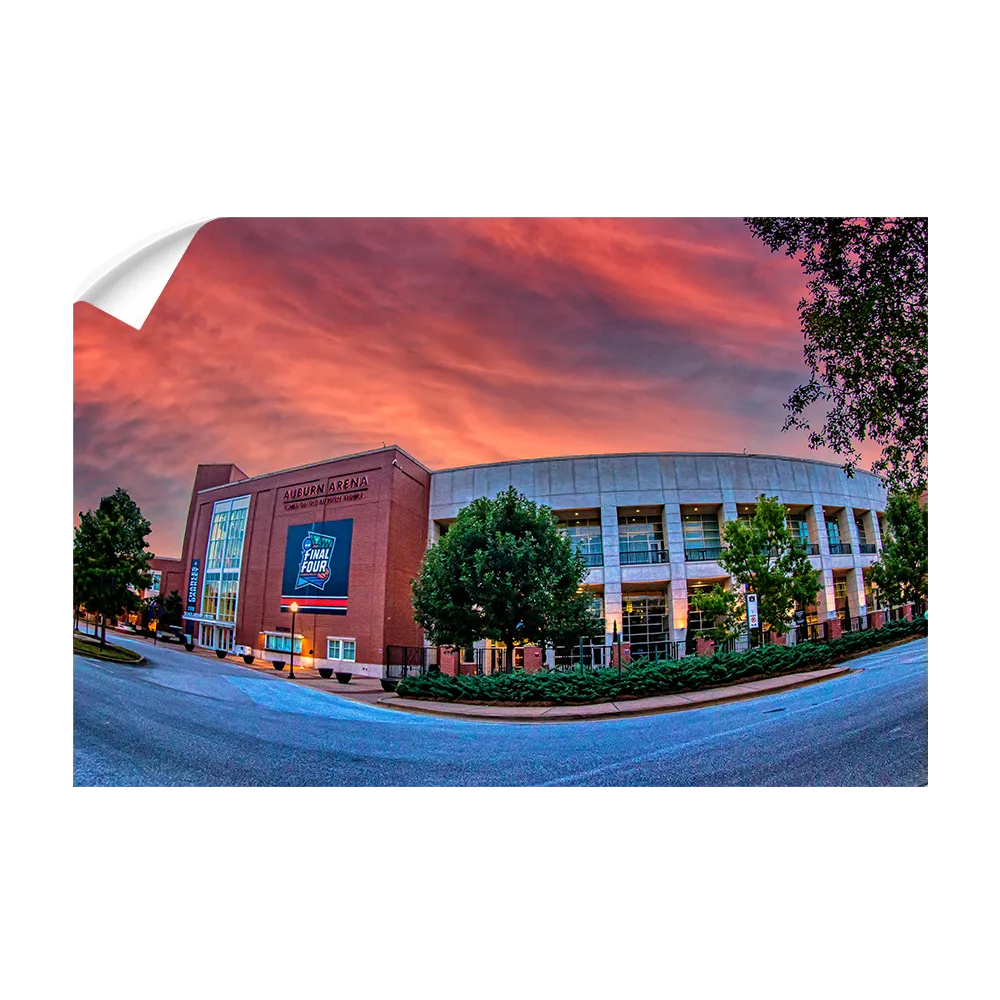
(291, 653)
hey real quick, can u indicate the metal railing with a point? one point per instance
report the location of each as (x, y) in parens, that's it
(702, 555)
(402, 661)
(592, 559)
(595, 656)
(814, 548)
(858, 623)
(808, 632)
(638, 557)
(662, 649)
(840, 549)
(592, 655)
(867, 548)
(737, 644)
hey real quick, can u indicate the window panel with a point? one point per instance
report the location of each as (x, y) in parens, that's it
(640, 538)
(645, 625)
(585, 535)
(282, 643)
(341, 649)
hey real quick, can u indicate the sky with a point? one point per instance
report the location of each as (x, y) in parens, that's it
(279, 342)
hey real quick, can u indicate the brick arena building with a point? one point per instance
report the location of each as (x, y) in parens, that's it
(344, 538)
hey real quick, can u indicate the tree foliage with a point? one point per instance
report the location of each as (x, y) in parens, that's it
(726, 609)
(503, 571)
(764, 557)
(172, 608)
(110, 557)
(901, 571)
(864, 320)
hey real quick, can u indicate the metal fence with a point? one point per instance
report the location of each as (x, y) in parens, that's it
(643, 556)
(595, 656)
(402, 661)
(702, 554)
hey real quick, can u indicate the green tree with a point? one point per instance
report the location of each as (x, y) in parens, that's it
(763, 556)
(110, 557)
(901, 571)
(503, 571)
(726, 609)
(172, 609)
(864, 320)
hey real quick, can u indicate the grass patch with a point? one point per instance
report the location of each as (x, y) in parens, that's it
(114, 654)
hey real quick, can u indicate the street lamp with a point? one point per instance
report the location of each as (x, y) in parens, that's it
(291, 656)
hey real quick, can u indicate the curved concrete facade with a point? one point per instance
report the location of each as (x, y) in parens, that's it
(678, 488)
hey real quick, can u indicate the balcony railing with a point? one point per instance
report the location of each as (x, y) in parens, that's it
(593, 559)
(840, 548)
(814, 548)
(638, 557)
(703, 555)
(867, 548)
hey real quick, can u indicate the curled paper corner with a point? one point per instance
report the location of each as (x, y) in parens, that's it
(129, 289)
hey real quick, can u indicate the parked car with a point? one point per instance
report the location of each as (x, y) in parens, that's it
(172, 633)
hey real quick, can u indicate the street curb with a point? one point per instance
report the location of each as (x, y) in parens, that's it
(116, 663)
(487, 713)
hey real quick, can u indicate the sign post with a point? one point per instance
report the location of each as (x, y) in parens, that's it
(753, 619)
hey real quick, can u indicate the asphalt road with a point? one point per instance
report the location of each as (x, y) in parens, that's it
(186, 720)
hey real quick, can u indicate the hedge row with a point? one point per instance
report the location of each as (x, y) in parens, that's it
(646, 678)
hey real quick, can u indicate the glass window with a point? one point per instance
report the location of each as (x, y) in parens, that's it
(840, 587)
(833, 532)
(341, 649)
(645, 625)
(701, 534)
(216, 637)
(154, 583)
(799, 527)
(220, 590)
(698, 620)
(210, 598)
(585, 534)
(281, 643)
(640, 539)
(860, 524)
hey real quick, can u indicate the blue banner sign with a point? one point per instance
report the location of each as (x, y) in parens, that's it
(192, 604)
(317, 566)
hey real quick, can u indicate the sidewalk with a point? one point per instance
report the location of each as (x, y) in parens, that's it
(368, 690)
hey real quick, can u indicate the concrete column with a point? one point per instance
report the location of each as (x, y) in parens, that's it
(729, 511)
(817, 527)
(677, 598)
(876, 533)
(612, 567)
(826, 602)
(855, 576)
(677, 594)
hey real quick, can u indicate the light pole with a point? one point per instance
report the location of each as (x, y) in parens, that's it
(291, 655)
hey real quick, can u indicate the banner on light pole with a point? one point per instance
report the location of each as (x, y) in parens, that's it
(753, 620)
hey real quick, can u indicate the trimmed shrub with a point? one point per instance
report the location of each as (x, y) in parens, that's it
(644, 678)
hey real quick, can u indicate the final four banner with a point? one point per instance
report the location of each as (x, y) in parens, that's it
(317, 565)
